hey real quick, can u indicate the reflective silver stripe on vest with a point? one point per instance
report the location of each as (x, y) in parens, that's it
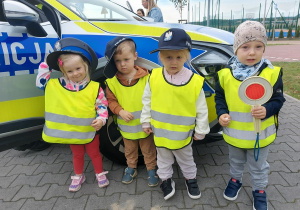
(68, 120)
(172, 119)
(172, 135)
(68, 134)
(136, 115)
(131, 129)
(249, 135)
(242, 117)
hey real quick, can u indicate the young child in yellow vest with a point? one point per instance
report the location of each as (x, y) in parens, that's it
(125, 87)
(236, 117)
(175, 107)
(75, 106)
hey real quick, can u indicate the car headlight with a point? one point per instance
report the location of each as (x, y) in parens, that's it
(209, 63)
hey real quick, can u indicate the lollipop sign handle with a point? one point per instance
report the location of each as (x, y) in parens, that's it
(257, 123)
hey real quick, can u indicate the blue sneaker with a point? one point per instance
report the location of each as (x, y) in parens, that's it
(260, 200)
(232, 190)
(152, 178)
(129, 174)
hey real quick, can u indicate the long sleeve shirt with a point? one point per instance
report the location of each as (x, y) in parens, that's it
(182, 77)
(43, 77)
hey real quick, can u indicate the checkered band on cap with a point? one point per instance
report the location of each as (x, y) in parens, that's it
(249, 31)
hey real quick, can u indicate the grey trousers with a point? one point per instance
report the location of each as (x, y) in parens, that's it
(258, 169)
(184, 158)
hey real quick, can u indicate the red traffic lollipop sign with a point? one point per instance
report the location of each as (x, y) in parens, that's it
(255, 90)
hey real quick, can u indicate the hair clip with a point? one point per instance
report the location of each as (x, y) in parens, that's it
(60, 62)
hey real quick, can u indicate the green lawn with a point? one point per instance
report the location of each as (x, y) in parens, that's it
(291, 78)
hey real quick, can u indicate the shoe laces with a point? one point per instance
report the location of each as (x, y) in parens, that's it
(76, 179)
(101, 176)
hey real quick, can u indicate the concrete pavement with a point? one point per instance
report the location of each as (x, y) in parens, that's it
(40, 180)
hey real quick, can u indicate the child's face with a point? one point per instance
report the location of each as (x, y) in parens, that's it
(173, 60)
(125, 61)
(74, 68)
(250, 53)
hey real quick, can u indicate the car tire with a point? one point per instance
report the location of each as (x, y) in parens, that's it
(111, 143)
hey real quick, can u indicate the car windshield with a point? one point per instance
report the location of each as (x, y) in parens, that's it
(100, 10)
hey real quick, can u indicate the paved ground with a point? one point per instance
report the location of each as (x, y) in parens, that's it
(40, 180)
(283, 50)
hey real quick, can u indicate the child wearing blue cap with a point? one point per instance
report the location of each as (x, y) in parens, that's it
(125, 86)
(75, 106)
(175, 107)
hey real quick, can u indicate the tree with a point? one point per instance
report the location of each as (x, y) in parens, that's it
(297, 32)
(281, 34)
(289, 34)
(179, 5)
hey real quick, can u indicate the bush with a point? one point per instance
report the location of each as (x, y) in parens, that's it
(289, 34)
(281, 34)
(297, 32)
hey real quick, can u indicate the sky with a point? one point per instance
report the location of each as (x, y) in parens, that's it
(251, 8)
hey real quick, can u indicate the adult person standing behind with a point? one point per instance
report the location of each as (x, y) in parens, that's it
(153, 11)
(140, 12)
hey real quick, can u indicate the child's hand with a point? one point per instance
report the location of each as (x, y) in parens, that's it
(148, 130)
(127, 116)
(224, 120)
(259, 112)
(97, 124)
(198, 136)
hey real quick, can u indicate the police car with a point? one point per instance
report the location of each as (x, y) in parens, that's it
(28, 31)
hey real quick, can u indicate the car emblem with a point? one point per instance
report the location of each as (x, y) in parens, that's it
(57, 46)
(168, 36)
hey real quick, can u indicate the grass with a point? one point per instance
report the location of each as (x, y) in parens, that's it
(291, 78)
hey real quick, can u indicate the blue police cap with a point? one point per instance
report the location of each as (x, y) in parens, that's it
(75, 46)
(174, 39)
(110, 68)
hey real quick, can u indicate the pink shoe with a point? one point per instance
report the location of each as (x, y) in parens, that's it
(102, 180)
(76, 183)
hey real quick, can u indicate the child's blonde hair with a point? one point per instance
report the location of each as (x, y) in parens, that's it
(125, 43)
(65, 57)
(184, 53)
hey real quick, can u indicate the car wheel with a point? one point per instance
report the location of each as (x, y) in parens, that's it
(111, 143)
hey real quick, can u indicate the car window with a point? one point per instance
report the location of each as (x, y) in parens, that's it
(100, 10)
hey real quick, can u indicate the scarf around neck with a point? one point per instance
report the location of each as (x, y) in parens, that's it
(241, 71)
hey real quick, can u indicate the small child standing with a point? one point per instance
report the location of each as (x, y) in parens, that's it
(125, 86)
(75, 106)
(175, 106)
(236, 117)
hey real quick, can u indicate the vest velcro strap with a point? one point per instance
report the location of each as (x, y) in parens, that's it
(172, 119)
(68, 120)
(249, 135)
(172, 135)
(131, 129)
(68, 134)
(136, 115)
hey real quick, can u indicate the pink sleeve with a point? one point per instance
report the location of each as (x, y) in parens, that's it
(43, 76)
(101, 106)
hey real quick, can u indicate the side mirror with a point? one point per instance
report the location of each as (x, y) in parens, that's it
(18, 14)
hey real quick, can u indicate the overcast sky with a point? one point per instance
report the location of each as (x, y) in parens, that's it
(251, 7)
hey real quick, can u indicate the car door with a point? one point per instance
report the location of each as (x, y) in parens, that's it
(26, 37)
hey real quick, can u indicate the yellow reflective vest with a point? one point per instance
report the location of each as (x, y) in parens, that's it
(241, 132)
(130, 98)
(69, 114)
(173, 110)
